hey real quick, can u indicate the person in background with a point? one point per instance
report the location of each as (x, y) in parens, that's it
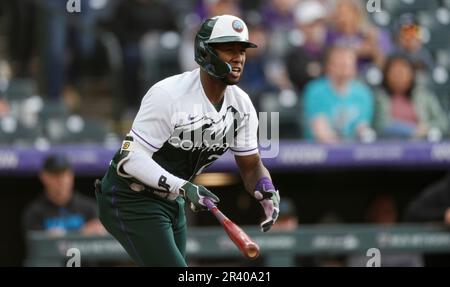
(20, 22)
(432, 206)
(403, 109)
(382, 210)
(132, 21)
(409, 38)
(67, 44)
(349, 27)
(337, 107)
(256, 80)
(209, 8)
(304, 62)
(60, 209)
(5, 78)
(278, 15)
(4, 107)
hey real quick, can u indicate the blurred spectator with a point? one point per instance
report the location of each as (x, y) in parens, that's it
(409, 43)
(433, 205)
(328, 4)
(256, 80)
(134, 19)
(337, 107)
(350, 28)
(288, 222)
(5, 77)
(287, 218)
(331, 217)
(60, 209)
(64, 32)
(278, 14)
(277, 18)
(209, 8)
(21, 29)
(304, 63)
(404, 110)
(382, 209)
(4, 107)
(328, 259)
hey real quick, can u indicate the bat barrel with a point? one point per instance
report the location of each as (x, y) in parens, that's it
(252, 251)
(247, 246)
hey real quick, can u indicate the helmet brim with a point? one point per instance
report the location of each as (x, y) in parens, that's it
(231, 39)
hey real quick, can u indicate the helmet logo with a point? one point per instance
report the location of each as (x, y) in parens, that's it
(237, 26)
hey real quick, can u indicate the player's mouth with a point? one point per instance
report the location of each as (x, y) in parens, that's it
(236, 72)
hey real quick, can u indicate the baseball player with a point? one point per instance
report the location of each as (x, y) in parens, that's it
(185, 122)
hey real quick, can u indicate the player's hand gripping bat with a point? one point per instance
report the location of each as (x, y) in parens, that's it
(247, 246)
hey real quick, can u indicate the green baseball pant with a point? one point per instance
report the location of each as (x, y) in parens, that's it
(150, 228)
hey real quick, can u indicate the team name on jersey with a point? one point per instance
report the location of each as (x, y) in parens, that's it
(206, 134)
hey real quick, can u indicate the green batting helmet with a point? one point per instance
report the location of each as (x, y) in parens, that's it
(219, 29)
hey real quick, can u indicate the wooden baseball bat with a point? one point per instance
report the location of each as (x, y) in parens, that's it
(247, 246)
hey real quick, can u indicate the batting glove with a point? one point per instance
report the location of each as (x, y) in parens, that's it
(269, 198)
(196, 194)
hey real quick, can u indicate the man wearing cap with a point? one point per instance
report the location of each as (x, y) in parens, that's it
(304, 62)
(59, 209)
(409, 36)
(184, 124)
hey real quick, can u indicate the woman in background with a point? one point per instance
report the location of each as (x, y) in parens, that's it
(404, 110)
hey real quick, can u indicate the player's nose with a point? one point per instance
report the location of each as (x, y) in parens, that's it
(238, 57)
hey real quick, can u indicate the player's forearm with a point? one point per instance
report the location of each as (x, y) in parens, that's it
(141, 166)
(251, 174)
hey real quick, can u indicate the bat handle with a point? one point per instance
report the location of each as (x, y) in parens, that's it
(209, 203)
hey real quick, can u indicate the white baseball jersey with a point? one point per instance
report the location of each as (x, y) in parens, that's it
(185, 132)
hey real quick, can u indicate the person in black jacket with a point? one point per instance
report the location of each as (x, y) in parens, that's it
(433, 205)
(60, 209)
(304, 63)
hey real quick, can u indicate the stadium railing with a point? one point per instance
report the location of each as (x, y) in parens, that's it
(277, 248)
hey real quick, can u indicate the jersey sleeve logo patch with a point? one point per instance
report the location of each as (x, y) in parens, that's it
(126, 145)
(237, 26)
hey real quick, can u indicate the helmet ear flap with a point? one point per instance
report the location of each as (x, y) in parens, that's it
(206, 56)
(218, 67)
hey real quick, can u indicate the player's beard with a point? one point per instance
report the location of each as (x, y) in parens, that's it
(229, 80)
